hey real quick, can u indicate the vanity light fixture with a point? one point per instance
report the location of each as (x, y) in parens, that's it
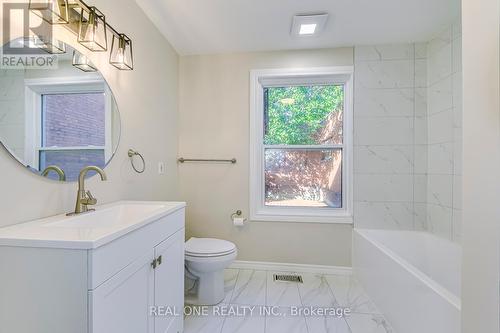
(82, 62)
(52, 45)
(304, 25)
(51, 11)
(89, 24)
(92, 29)
(121, 52)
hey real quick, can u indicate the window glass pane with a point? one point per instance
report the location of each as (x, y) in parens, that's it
(303, 115)
(71, 161)
(303, 178)
(73, 120)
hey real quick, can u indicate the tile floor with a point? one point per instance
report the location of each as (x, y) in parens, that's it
(257, 288)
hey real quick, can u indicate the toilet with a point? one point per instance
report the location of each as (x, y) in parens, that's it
(205, 261)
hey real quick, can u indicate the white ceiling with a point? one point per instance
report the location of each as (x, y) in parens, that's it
(221, 26)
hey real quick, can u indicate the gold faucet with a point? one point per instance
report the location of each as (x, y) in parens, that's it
(58, 170)
(85, 198)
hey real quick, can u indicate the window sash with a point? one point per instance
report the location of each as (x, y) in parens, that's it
(301, 149)
(301, 82)
(261, 79)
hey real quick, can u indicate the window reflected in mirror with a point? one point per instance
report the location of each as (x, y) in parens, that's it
(58, 120)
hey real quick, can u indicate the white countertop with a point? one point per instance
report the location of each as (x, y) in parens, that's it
(89, 230)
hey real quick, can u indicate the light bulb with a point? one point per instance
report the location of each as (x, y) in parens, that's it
(120, 56)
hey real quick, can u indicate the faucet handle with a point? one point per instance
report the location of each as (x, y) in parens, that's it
(90, 199)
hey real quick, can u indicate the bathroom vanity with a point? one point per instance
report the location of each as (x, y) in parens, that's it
(100, 272)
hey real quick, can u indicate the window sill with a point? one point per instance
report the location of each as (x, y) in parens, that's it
(324, 219)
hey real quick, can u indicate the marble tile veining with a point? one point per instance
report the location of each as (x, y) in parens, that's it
(383, 131)
(315, 292)
(440, 96)
(250, 288)
(368, 323)
(230, 276)
(409, 95)
(286, 323)
(249, 323)
(383, 188)
(383, 103)
(440, 64)
(199, 323)
(382, 215)
(383, 52)
(385, 74)
(349, 293)
(327, 325)
(440, 220)
(383, 159)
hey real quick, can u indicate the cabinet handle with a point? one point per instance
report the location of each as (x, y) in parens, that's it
(159, 260)
(153, 264)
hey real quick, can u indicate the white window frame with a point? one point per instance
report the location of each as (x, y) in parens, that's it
(35, 88)
(260, 79)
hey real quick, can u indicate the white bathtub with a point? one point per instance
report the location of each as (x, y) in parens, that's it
(413, 277)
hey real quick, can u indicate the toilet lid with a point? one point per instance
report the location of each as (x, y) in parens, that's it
(208, 246)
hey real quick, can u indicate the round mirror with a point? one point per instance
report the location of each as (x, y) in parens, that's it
(56, 121)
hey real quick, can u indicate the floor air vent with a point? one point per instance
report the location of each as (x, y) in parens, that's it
(288, 278)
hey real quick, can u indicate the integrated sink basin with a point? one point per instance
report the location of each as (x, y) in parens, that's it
(120, 214)
(89, 230)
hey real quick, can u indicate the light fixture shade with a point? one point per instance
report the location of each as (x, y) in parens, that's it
(51, 11)
(121, 52)
(82, 62)
(49, 45)
(92, 30)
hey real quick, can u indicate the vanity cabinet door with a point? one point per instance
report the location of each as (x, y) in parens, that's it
(122, 303)
(169, 284)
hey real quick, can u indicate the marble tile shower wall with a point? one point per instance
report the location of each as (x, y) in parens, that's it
(407, 136)
(444, 185)
(390, 136)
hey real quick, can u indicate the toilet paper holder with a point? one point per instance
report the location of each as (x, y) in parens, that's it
(237, 213)
(238, 219)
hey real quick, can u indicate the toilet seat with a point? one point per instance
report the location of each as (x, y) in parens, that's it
(208, 247)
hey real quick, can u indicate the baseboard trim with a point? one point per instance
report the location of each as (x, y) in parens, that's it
(286, 267)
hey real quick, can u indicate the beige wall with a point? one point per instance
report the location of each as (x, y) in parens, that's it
(214, 123)
(147, 98)
(481, 166)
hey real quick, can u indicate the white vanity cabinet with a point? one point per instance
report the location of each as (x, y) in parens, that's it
(108, 289)
(123, 303)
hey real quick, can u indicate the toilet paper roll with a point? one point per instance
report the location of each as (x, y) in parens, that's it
(239, 221)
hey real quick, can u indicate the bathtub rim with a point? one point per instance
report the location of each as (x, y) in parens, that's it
(431, 283)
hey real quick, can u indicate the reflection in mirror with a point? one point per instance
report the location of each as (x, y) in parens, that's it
(58, 121)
